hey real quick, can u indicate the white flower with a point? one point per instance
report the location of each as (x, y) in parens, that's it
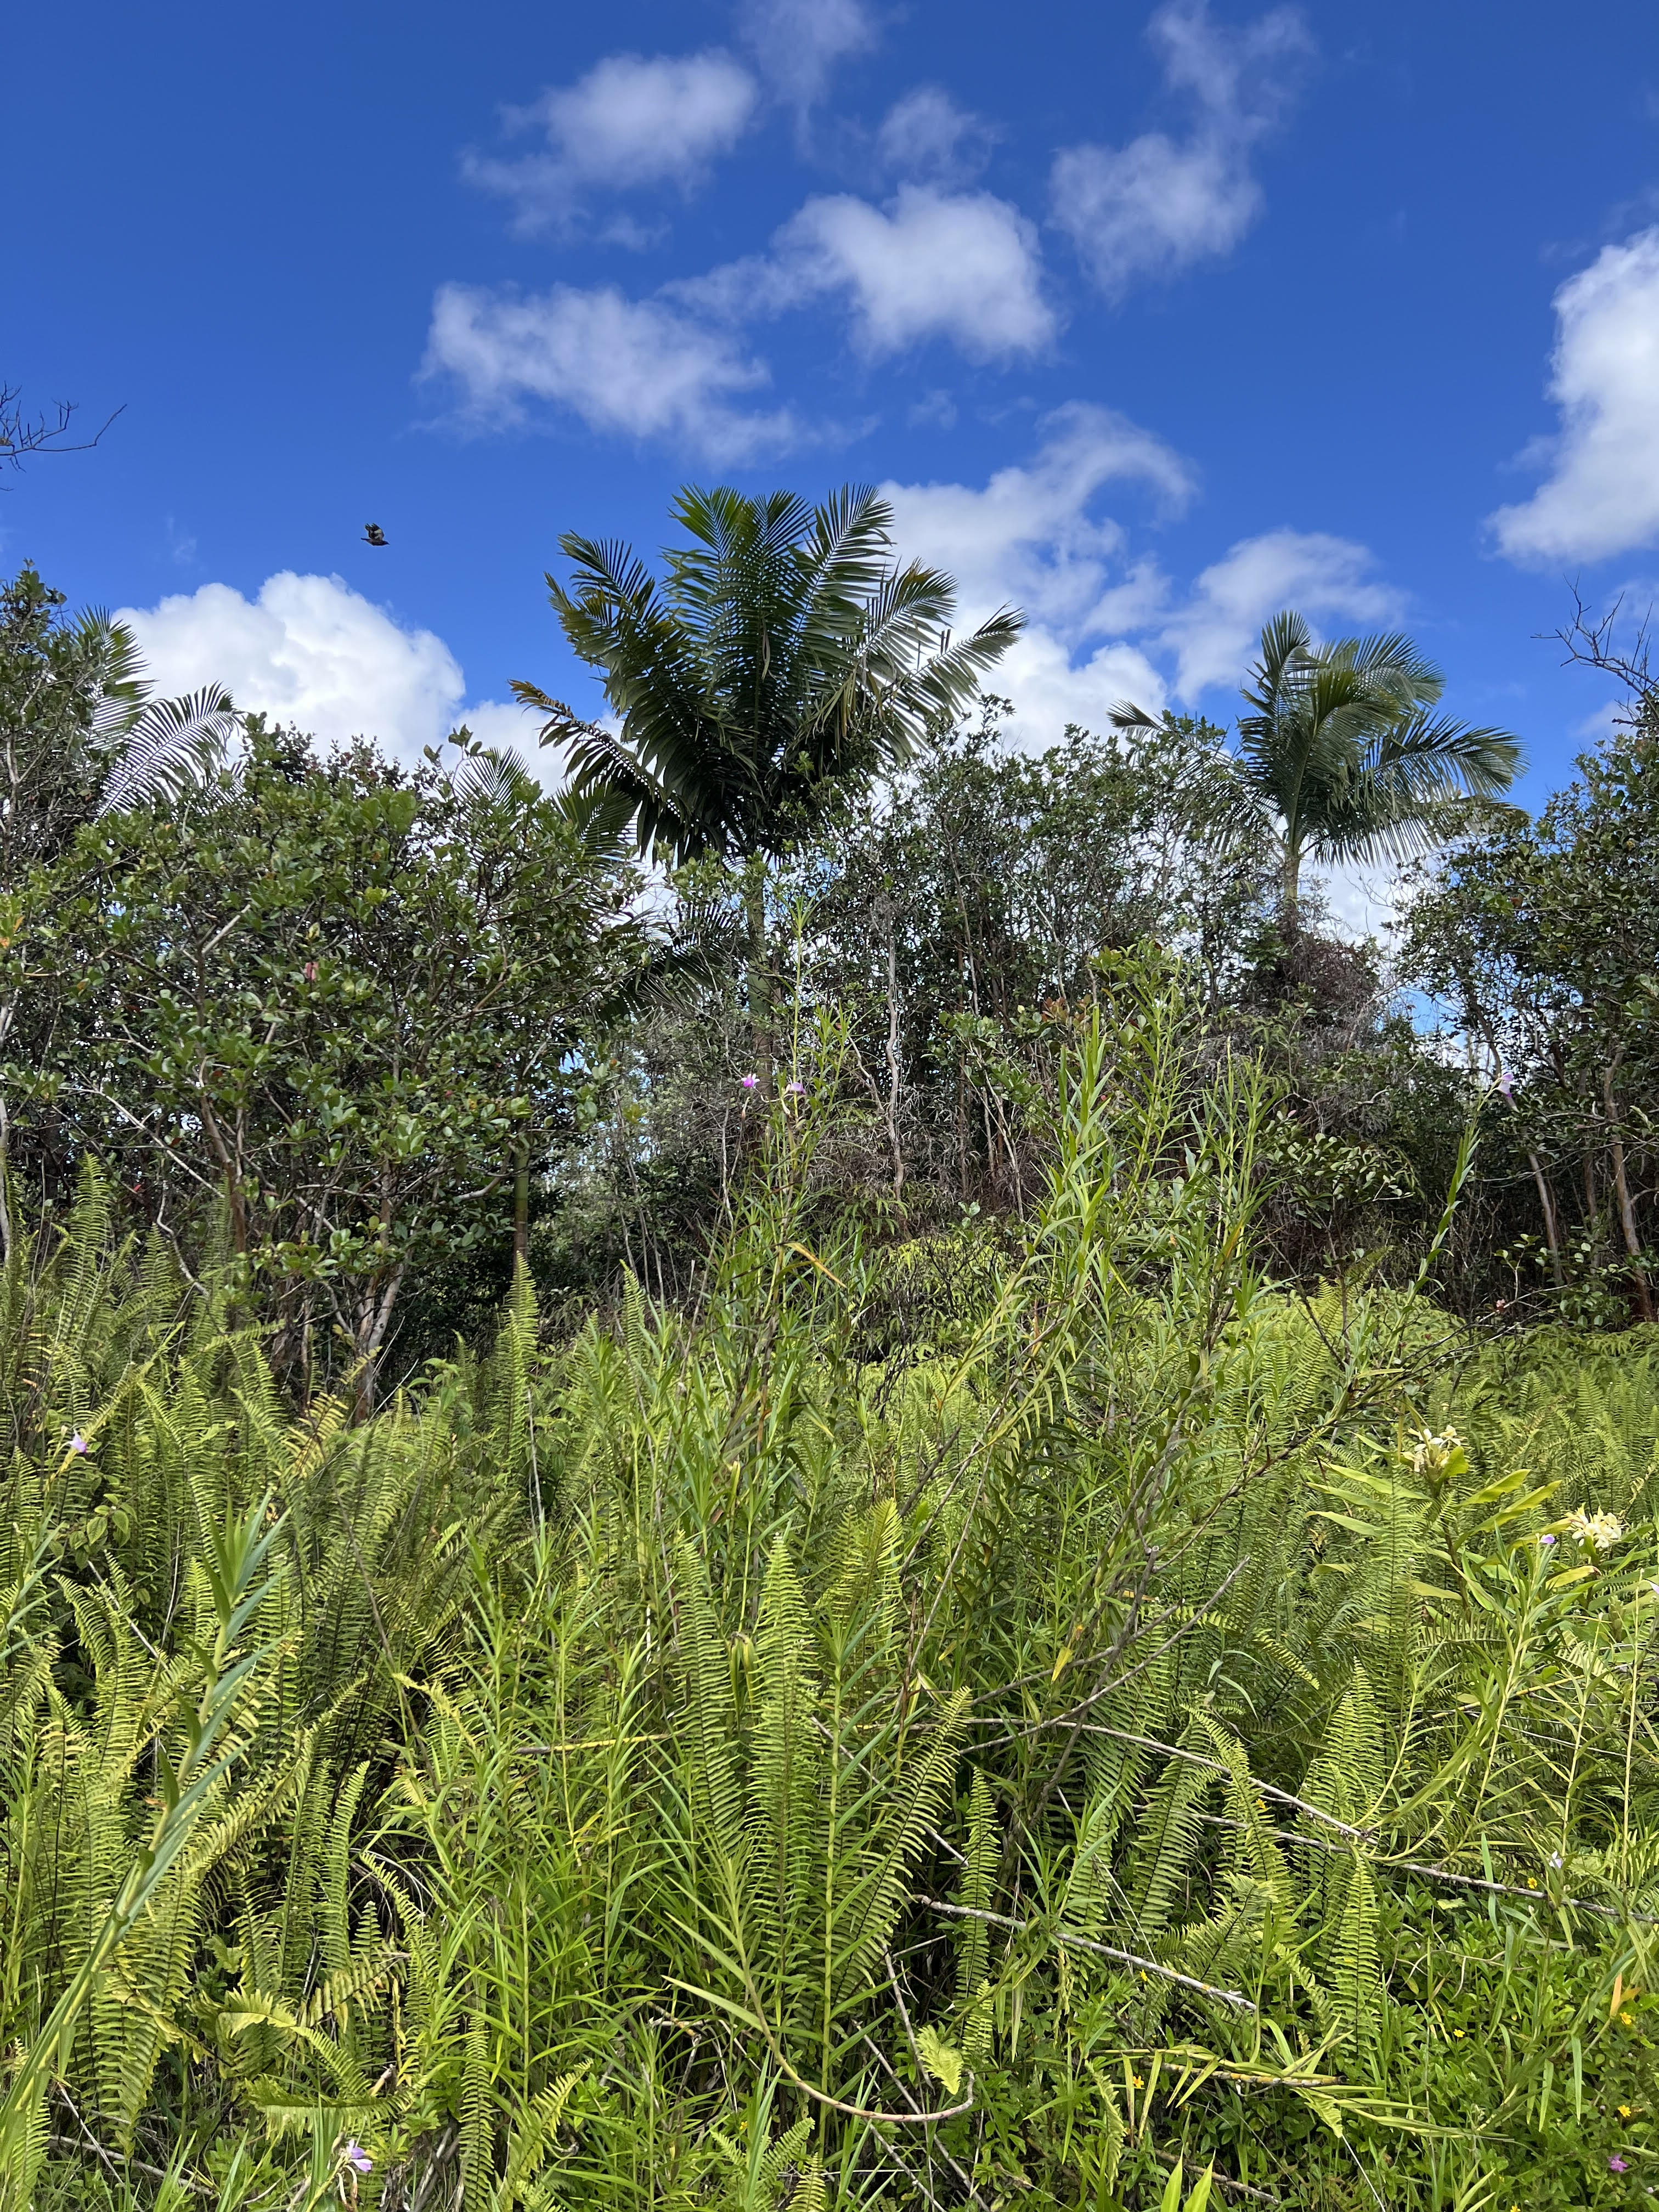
(1430, 1452)
(1600, 1531)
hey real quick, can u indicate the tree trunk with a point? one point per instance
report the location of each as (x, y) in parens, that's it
(1547, 1202)
(757, 982)
(893, 1057)
(520, 1207)
(1290, 884)
(1626, 1210)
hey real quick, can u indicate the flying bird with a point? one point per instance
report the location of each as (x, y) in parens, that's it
(373, 534)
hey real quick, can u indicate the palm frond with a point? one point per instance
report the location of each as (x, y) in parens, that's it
(171, 745)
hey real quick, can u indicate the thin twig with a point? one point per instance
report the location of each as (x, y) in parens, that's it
(1234, 1998)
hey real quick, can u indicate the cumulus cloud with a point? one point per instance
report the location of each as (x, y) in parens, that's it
(1034, 535)
(634, 120)
(1152, 206)
(927, 137)
(1028, 535)
(798, 43)
(1602, 495)
(310, 650)
(1214, 635)
(639, 367)
(1031, 536)
(963, 266)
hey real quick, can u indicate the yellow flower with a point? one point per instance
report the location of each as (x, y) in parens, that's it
(1458, 2032)
(1531, 1884)
(1140, 2084)
(1624, 2111)
(1626, 2020)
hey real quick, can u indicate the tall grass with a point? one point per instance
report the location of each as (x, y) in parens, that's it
(1142, 1721)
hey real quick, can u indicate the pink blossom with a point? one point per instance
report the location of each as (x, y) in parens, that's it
(311, 971)
(1617, 2165)
(795, 1090)
(749, 1081)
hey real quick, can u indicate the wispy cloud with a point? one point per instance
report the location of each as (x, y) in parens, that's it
(798, 43)
(1150, 208)
(1032, 534)
(1601, 495)
(633, 121)
(637, 367)
(1214, 635)
(926, 137)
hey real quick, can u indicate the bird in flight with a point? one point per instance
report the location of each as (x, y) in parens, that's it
(373, 534)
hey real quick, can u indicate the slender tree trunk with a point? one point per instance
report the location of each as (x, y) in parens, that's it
(757, 981)
(520, 1207)
(1290, 884)
(893, 1057)
(1626, 1210)
(1547, 1202)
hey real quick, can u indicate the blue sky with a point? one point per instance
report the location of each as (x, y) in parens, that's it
(1154, 319)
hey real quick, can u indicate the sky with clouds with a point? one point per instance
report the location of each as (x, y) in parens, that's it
(1149, 319)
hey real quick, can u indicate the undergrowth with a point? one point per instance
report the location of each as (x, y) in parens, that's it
(1149, 1726)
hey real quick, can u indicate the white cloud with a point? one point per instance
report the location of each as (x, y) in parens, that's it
(635, 366)
(958, 265)
(926, 135)
(1029, 536)
(963, 266)
(798, 42)
(1214, 634)
(1049, 688)
(1158, 203)
(633, 120)
(1602, 496)
(310, 650)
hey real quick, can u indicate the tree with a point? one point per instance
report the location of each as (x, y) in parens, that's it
(785, 656)
(1543, 937)
(339, 1002)
(80, 736)
(1341, 757)
(987, 885)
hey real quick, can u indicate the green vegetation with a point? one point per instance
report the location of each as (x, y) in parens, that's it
(1039, 1599)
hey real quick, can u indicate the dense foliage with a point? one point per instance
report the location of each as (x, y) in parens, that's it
(923, 1510)
(1153, 1720)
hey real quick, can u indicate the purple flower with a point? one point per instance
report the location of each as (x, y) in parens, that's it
(794, 1089)
(749, 1081)
(354, 2155)
(1506, 1083)
(78, 1443)
(1547, 1538)
(1616, 2164)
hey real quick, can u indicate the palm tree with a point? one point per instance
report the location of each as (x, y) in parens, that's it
(1341, 757)
(785, 657)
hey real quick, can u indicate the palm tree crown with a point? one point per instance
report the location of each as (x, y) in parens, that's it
(784, 652)
(1341, 753)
